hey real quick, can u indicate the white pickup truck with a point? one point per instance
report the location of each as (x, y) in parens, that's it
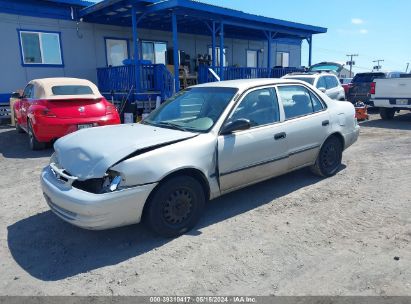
(391, 95)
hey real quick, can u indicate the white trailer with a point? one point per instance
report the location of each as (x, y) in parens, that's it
(392, 95)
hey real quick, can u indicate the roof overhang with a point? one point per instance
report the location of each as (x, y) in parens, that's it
(80, 3)
(195, 18)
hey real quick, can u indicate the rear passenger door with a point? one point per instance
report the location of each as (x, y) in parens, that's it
(307, 123)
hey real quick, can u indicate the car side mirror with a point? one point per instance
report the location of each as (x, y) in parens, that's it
(16, 95)
(236, 125)
(324, 90)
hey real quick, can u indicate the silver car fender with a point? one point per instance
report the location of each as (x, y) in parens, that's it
(198, 153)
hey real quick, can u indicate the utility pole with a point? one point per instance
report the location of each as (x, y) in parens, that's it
(378, 66)
(351, 62)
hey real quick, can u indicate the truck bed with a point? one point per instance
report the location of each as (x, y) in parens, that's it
(392, 93)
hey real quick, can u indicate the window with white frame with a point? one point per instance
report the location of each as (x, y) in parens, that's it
(117, 51)
(154, 51)
(40, 48)
(217, 53)
(283, 59)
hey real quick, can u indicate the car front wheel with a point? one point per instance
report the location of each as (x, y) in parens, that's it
(329, 159)
(175, 207)
(33, 142)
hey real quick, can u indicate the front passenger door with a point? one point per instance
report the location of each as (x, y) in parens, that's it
(249, 156)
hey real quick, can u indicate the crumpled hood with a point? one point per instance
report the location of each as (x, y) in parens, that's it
(89, 153)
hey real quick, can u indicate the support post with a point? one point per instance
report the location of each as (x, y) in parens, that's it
(222, 51)
(213, 44)
(135, 49)
(310, 49)
(269, 59)
(175, 52)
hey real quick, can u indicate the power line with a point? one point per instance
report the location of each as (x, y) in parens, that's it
(378, 66)
(351, 62)
(362, 55)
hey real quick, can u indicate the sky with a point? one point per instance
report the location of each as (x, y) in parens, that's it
(373, 29)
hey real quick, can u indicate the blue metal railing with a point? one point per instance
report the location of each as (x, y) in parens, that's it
(232, 73)
(121, 79)
(164, 81)
(155, 78)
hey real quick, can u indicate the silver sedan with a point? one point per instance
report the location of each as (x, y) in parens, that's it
(204, 142)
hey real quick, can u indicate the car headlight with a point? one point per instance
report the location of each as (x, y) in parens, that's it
(54, 159)
(112, 181)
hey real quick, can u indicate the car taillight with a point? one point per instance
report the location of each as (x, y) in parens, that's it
(372, 88)
(45, 112)
(110, 109)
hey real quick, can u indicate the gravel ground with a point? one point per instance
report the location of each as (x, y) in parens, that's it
(292, 235)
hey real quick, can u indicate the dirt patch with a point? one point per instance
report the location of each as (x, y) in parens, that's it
(292, 235)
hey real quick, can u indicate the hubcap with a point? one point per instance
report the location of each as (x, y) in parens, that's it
(177, 207)
(330, 157)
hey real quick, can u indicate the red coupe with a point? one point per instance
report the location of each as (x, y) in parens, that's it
(53, 107)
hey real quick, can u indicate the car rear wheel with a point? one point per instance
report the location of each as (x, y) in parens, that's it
(329, 159)
(175, 207)
(387, 114)
(33, 142)
(18, 128)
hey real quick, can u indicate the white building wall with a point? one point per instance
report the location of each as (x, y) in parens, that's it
(84, 51)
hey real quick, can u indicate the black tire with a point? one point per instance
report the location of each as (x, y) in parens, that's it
(33, 142)
(329, 159)
(175, 207)
(18, 128)
(387, 114)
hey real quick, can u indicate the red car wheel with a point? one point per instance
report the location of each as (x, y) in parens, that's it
(33, 142)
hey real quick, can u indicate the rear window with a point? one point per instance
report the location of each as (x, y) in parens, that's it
(72, 90)
(305, 79)
(367, 77)
(345, 80)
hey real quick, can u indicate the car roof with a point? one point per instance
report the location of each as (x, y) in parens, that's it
(60, 81)
(309, 74)
(244, 84)
(44, 87)
(380, 72)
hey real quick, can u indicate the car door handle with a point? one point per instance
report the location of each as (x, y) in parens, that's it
(326, 123)
(279, 136)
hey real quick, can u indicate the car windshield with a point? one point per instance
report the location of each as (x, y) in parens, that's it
(367, 77)
(345, 80)
(194, 109)
(71, 90)
(309, 80)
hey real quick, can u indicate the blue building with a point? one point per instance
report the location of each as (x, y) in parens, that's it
(142, 47)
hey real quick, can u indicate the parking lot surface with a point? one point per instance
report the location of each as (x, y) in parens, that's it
(292, 235)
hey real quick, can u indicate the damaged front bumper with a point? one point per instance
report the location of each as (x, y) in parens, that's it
(94, 211)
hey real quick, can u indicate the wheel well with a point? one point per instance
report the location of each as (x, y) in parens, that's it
(340, 138)
(194, 173)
